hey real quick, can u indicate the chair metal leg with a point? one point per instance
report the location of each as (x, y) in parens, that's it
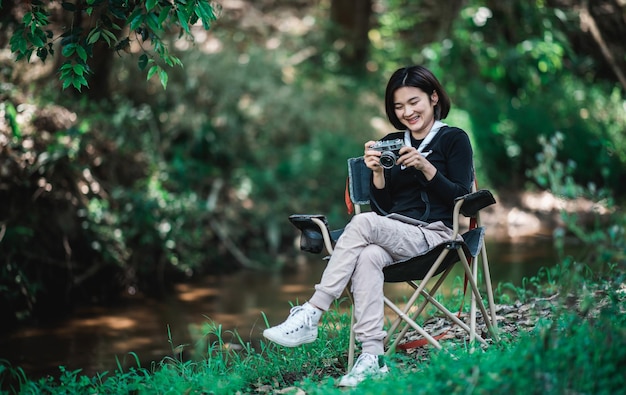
(352, 346)
(417, 312)
(475, 291)
(473, 306)
(402, 314)
(409, 321)
(413, 324)
(492, 305)
(352, 343)
(486, 273)
(451, 315)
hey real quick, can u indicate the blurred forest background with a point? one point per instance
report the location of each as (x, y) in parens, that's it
(122, 186)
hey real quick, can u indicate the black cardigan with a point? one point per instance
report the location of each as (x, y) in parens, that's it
(452, 156)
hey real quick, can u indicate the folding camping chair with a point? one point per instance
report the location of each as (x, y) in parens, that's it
(419, 270)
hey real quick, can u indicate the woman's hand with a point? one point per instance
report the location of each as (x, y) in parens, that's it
(410, 157)
(372, 161)
(372, 158)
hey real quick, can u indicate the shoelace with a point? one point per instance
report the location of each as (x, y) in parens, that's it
(292, 321)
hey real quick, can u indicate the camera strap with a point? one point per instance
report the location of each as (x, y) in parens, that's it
(429, 137)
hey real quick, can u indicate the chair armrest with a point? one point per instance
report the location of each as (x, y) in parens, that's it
(315, 233)
(475, 201)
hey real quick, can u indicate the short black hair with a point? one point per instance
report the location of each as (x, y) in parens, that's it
(418, 77)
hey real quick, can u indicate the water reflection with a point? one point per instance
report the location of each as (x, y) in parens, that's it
(95, 339)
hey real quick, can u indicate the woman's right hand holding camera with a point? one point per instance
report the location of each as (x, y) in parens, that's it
(372, 161)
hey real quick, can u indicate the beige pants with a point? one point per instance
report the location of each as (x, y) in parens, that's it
(369, 243)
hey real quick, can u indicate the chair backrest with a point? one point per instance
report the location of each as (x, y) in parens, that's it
(359, 180)
(358, 184)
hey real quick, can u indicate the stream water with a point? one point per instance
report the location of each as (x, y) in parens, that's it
(97, 339)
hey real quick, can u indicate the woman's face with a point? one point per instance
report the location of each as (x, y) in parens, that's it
(415, 109)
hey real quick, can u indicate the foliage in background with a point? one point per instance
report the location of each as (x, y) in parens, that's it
(165, 187)
(604, 241)
(116, 24)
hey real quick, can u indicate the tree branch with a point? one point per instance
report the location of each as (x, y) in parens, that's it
(588, 23)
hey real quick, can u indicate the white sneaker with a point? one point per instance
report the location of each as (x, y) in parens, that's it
(366, 366)
(299, 328)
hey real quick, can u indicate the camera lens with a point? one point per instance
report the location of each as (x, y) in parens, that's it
(387, 160)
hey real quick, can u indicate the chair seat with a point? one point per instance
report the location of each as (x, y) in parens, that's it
(417, 267)
(414, 268)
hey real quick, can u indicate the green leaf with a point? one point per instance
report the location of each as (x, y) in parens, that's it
(77, 84)
(41, 18)
(11, 117)
(165, 11)
(93, 36)
(66, 82)
(152, 71)
(153, 23)
(69, 50)
(18, 43)
(163, 77)
(207, 10)
(204, 11)
(79, 69)
(182, 18)
(36, 38)
(27, 19)
(168, 60)
(108, 36)
(143, 62)
(81, 79)
(135, 19)
(150, 4)
(177, 61)
(41, 37)
(80, 51)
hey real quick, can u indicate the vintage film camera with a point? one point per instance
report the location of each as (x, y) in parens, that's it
(390, 151)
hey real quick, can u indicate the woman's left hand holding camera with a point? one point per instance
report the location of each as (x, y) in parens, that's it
(410, 157)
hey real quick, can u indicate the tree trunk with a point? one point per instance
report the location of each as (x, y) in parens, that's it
(433, 19)
(349, 33)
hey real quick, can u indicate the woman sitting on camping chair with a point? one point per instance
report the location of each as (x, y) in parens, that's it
(434, 168)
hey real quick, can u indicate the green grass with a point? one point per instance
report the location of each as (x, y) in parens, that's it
(579, 349)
